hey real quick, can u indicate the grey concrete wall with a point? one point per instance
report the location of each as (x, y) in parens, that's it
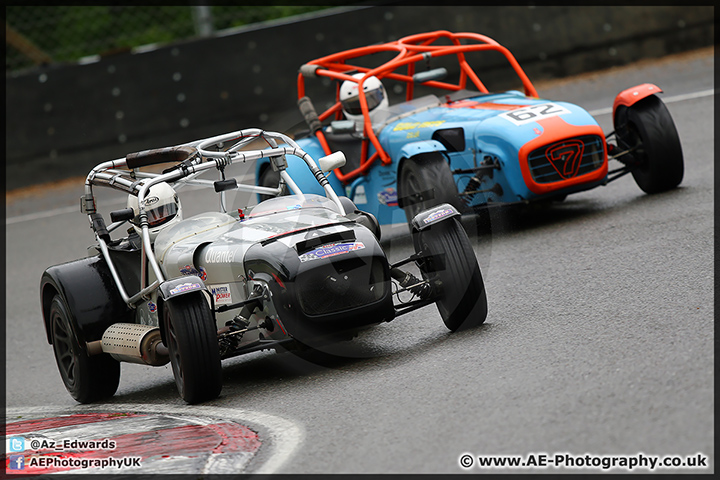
(64, 119)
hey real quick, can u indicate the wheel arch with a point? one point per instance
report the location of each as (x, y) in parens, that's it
(632, 95)
(432, 216)
(89, 292)
(417, 150)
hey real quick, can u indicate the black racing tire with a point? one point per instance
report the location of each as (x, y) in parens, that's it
(269, 178)
(191, 338)
(425, 173)
(648, 128)
(86, 378)
(462, 303)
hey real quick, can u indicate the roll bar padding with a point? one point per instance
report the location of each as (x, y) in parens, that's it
(159, 155)
(308, 112)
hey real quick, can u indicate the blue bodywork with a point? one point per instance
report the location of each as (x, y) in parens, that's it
(472, 131)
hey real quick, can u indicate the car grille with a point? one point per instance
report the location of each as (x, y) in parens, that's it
(566, 159)
(341, 285)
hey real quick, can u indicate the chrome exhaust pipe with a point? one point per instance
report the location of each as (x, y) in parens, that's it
(132, 342)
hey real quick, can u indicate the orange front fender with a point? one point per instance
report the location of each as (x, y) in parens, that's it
(635, 94)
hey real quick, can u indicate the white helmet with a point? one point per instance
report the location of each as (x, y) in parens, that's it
(162, 206)
(375, 95)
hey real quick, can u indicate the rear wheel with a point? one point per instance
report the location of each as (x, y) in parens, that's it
(191, 337)
(462, 303)
(426, 181)
(648, 129)
(86, 378)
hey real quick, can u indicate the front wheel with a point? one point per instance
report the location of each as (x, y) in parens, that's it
(453, 271)
(648, 130)
(86, 378)
(426, 181)
(191, 337)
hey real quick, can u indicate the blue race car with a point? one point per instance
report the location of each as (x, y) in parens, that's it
(455, 141)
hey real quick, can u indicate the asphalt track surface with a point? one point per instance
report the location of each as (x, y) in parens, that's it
(599, 338)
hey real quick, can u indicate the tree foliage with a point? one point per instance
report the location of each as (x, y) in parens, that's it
(68, 33)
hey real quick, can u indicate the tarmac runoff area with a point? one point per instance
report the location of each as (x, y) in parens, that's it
(129, 438)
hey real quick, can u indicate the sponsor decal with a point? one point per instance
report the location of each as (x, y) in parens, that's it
(331, 250)
(437, 215)
(152, 307)
(150, 201)
(221, 293)
(293, 207)
(190, 270)
(412, 125)
(534, 113)
(185, 287)
(388, 197)
(219, 255)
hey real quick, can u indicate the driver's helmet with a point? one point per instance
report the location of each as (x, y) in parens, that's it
(162, 206)
(375, 95)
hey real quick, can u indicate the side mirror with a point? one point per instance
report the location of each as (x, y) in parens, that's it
(434, 74)
(332, 161)
(222, 185)
(342, 126)
(120, 215)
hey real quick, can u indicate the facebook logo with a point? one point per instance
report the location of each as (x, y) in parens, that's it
(17, 462)
(17, 444)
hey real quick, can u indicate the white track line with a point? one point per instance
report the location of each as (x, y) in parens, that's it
(285, 436)
(601, 111)
(41, 215)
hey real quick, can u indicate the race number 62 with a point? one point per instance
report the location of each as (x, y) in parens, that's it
(533, 113)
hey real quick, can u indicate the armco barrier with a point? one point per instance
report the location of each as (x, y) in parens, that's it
(64, 119)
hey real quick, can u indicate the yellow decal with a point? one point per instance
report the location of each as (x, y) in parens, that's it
(412, 125)
(405, 126)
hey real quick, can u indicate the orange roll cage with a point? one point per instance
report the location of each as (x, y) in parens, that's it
(410, 50)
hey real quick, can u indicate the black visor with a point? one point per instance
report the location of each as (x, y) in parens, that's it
(352, 105)
(158, 215)
(161, 214)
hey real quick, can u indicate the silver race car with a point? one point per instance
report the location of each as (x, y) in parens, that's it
(292, 271)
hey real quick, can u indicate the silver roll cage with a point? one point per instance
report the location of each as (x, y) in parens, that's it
(191, 159)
